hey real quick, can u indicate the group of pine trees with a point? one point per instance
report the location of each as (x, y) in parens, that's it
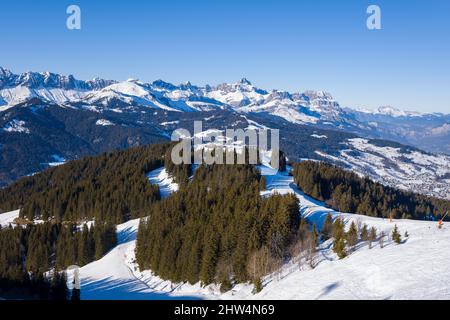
(210, 228)
(23, 278)
(27, 254)
(347, 192)
(345, 241)
(111, 187)
(79, 247)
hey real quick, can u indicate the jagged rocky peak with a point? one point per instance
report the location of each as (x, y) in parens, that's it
(314, 95)
(245, 81)
(5, 73)
(49, 80)
(280, 95)
(161, 84)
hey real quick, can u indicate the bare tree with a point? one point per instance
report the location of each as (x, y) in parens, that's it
(382, 235)
(372, 236)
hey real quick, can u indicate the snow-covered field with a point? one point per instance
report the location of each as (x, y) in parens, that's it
(416, 269)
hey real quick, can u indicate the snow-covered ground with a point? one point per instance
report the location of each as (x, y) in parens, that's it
(7, 218)
(416, 269)
(164, 181)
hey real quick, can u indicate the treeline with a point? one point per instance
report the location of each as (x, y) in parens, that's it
(347, 192)
(26, 254)
(110, 187)
(345, 241)
(210, 229)
(22, 278)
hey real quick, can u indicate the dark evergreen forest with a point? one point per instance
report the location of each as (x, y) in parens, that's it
(209, 230)
(111, 187)
(347, 192)
(26, 254)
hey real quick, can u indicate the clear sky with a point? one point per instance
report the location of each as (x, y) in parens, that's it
(284, 44)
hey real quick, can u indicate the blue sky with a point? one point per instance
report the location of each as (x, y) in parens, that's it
(285, 44)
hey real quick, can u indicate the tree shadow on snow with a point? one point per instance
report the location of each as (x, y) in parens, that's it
(112, 289)
(126, 235)
(329, 288)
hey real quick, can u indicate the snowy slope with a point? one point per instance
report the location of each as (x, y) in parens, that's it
(114, 276)
(416, 269)
(407, 170)
(165, 182)
(8, 218)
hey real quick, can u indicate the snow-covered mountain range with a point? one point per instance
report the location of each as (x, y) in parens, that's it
(430, 132)
(44, 116)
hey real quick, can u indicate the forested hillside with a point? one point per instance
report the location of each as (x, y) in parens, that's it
(209, 230)
(347, 192)
(110, 187)
(26, 254)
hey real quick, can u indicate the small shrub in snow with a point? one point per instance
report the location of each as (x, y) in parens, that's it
(396, 235)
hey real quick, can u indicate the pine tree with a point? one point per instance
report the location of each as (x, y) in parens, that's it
(396, 235)
(364, 234)
(327, 228)
(338, 228)
(83, 246)
(339, 248)
(207, 271)
(352, 235)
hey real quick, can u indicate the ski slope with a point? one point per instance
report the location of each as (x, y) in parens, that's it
(415, 269)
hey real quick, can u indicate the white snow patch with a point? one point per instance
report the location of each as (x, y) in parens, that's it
(319, 136)
(104, 122)
(58, 160)
(16, 126)
(165, 182)
(168, 123)
(8, 218)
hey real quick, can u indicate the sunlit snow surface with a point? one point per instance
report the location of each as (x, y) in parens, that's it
(164, 181)
(416, 269)
(8, 218)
